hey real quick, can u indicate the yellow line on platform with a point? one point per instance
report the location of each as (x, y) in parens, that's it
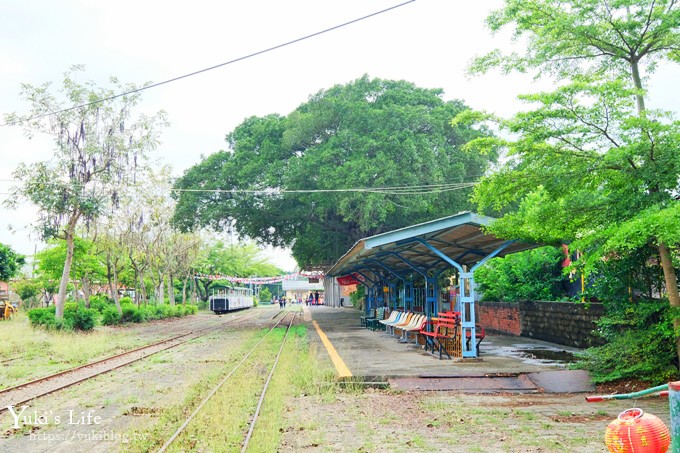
(343, 371)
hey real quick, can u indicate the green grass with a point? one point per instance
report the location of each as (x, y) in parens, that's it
(231, 408)
(36, 352)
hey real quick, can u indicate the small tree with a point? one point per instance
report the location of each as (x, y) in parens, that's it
(10, 263)
(590, 163)
(265, 295)
(98, 148)
(27, 290)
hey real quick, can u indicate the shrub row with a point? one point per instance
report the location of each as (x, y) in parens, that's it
(77, 317)
(145, 313)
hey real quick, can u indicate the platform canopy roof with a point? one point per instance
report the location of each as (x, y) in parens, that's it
(458, 237)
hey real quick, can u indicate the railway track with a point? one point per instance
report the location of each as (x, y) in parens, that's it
(285, 316)
(25, 392)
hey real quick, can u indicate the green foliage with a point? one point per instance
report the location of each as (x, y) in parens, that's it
(369, 133)
(10, 263)
(128, 312)
(140, 314)
(265, 295)
(357, 296)
(79, 317)
(100, 302)
(76, 317)
(529, 275)
(125, 300)
(152, 312)
(110, 316)
(562, 37)
(640, 345)
(98, 148)
(41, 316)
(27, 289)
(239, 259)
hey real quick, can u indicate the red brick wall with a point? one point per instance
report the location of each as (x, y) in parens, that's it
(499, 317)
(566, 323)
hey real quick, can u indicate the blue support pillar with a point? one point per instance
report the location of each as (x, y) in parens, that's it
(467, 295)
(408, 295)
(370, 300)
(392, 288)
(467, 313)
(379, 295)
(431, 299)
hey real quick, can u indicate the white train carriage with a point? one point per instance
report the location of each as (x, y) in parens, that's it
(230, 298)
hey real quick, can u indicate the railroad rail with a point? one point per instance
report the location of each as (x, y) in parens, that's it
(22, 393)
(186, 423)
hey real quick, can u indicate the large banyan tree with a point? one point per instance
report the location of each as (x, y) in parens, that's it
(353, 161)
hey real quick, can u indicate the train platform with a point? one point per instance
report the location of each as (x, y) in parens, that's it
(505, 364)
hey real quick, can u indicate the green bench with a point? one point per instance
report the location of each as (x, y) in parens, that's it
(370, 315)
(374, 323)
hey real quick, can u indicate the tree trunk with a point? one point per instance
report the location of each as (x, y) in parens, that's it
(114, 291)
(61, 298)
(194, 296)
(671, 280)
(86, 289)
(109, 275)
(143, 296)
(637, 81)
(160, 291)
(171, 289)
(184, 290)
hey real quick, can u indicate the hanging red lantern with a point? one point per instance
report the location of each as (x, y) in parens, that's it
(635, 431)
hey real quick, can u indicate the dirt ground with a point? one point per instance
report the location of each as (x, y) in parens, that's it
(123, 400)
(365, 420)
(383, 421)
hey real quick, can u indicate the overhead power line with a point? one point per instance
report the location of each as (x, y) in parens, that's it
(235, 60)
(397, 190)
(394, 190)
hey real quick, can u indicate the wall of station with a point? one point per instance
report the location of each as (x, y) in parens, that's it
(566, 323)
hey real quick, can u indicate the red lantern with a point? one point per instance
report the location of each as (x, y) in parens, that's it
(635, 431)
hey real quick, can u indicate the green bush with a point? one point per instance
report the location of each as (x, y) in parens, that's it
(641, 345)
(42, 317)
(153, 312)
(128, 312)
(78, 317)
(125, 300)
(139, 315)
(100, 302)
(164, 311)
(110, 316)
(530, 275)
(191, 309)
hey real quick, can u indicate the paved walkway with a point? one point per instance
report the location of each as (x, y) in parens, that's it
(506, 363)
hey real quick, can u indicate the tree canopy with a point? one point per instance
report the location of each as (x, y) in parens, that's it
(354, 160)
(10, 263)
(589, 163)
(98, 147)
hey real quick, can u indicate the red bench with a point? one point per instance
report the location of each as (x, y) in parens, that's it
(437, 332)
(446, 328)
(479, 336)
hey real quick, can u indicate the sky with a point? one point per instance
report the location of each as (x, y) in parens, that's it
(427, 42)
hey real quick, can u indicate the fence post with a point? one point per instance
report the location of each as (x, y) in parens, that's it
(674, 403)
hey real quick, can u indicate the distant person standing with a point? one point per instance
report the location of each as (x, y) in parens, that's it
(316, 298)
